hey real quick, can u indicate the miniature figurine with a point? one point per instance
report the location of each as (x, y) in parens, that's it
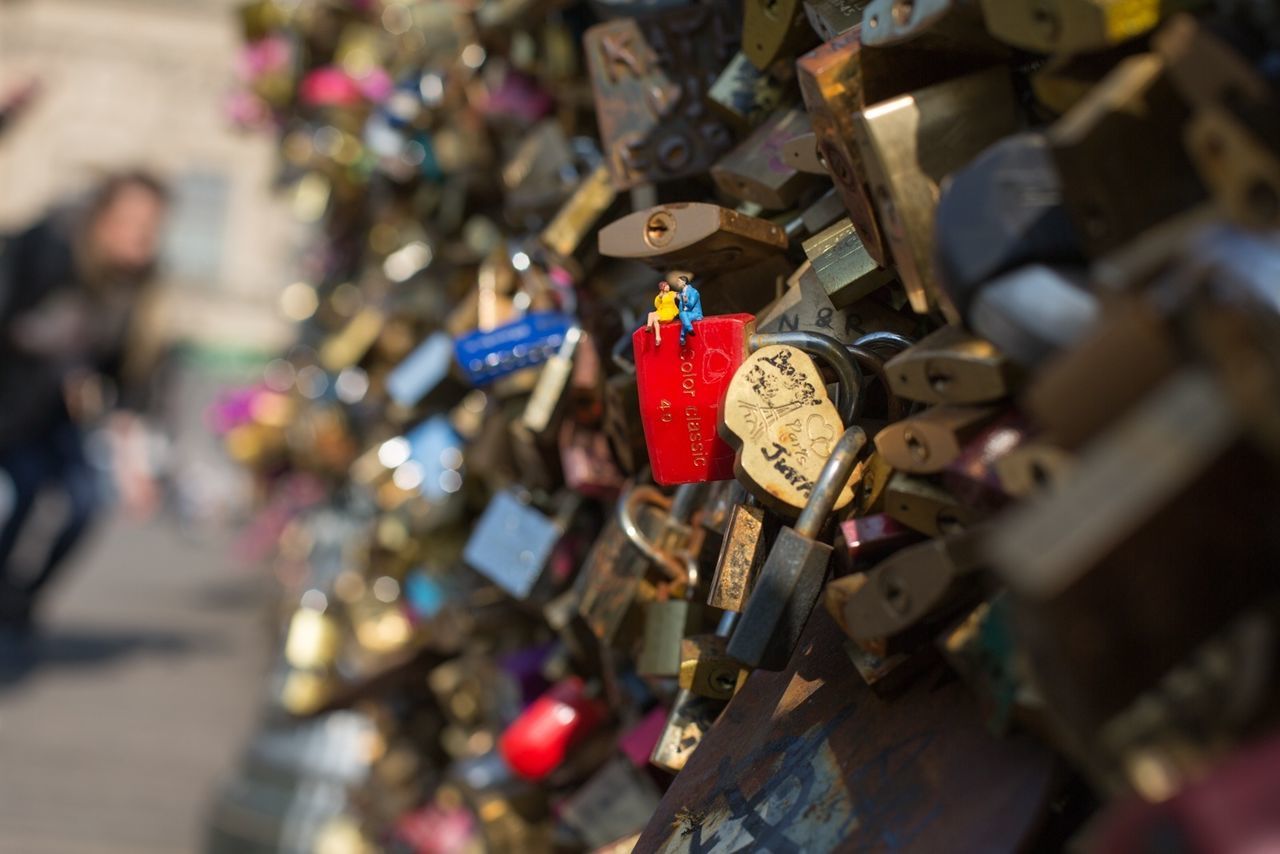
(690, 303)
(666, 310)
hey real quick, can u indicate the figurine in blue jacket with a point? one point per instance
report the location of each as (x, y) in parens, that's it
(690, 304)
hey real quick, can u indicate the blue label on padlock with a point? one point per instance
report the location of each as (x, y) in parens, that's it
(524, 343)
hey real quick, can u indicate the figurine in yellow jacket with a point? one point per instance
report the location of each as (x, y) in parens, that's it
(665, 310)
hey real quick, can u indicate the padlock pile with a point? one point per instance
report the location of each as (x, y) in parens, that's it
(636, 330)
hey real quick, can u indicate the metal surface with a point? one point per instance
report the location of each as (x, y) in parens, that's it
(918, 773)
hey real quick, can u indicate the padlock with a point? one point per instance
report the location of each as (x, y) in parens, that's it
(512, 543)
(674, 614)
(740, 558)
(534, 177)
(831, 84)
(909, 586)
(831, 18)
(1074, 26)
(973, 476)
(649, 76)
(943, 26)
(687, 722)
(1034, 312)
(930, 441)
(822, 213)
(980, 649)
(548, 395)
(774, 30)
(871, 479)
(950, 366)
(1135, 108)
(1079, 394)
(569, 229)
(587, 463)
(613, 572)
(1091, 552)
(1033, 467)
(756, 171)
(805, 307)
(791, 579)
(700, 237)
(618, 800)
(843, 265)
(801, 152)
(869, 537)
(743, 95)
(539, 740)
(780, 421)
(706, 669)
(528, 342)
(419, 373)
(1004, 209)
(926, 507)
(681, 390)
(348, 346)
(623, 426)
(907, 143)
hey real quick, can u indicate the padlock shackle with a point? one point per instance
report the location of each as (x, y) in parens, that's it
(874, 363)
(830, 350)
(892, 339)
(676, 566)
(835, 474)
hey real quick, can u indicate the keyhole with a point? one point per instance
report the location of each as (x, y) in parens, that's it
(918, 450)
(723, 682)
(659, 230)
(938, 377)
(896, 595)
(949, 522)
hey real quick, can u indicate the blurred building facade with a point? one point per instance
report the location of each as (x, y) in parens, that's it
(142, 83)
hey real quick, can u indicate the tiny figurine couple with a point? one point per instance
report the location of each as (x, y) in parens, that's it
(685, 303)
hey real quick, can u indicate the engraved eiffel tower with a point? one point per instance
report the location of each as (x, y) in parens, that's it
(760, 418)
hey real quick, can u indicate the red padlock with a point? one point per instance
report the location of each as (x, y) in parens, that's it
(681, 391)
(538, 741)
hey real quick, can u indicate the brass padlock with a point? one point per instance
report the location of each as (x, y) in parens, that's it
(702, 238)
(706, 669)
(774, 30)
(926, 507)
(743, 95)
(950, 366)
(928, 442)
(573, 223)
(1111, 200)
(687, 722)
(741, 555)
(757, 171)
(908, 144)
(1074, 26)
(905, 588)
(842, 264)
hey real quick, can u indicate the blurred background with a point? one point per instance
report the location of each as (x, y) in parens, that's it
(134, 696)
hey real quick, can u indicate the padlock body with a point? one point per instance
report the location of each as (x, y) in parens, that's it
(780, 604)
(681, 391)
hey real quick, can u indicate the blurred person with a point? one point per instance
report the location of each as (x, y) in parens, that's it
(71, 291)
